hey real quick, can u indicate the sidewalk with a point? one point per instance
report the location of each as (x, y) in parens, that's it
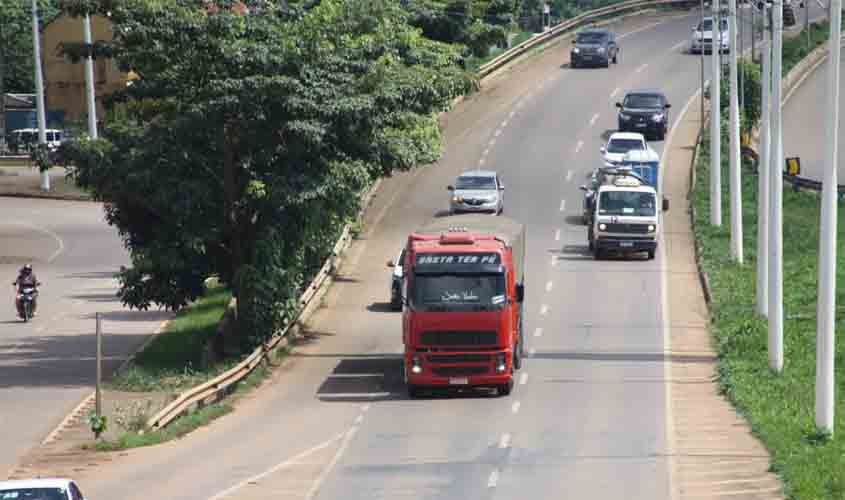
(714, 453)
(25, 181)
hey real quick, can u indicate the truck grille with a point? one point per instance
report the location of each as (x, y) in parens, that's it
(448, 371)
(627, 228)
(454, 338)
(460, 358)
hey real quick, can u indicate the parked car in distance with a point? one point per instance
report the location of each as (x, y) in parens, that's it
(22, 140)
(396, 280)
(702, 36)
(619, 144)
(595, 46)
(645, 111)
(40, 489)
(477, 191)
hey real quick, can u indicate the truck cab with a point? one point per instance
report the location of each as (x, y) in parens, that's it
(622, 214)
(462, 320)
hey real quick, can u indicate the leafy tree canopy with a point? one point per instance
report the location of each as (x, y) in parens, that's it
(247, 139)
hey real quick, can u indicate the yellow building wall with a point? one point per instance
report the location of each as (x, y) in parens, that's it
(64, 81)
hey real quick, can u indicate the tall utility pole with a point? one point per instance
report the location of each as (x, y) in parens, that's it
(735, 166)
(39, 91)
(715, 121)
(701, 24)
(741, 22)
(763, 171)
(89, 79)
(826, 312)
(776, 198)
(3, 91)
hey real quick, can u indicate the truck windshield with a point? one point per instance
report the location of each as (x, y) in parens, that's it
(33, 494)
(475, 182)
(631, 203)
(624, 145)
(590, 38)
(458, 292)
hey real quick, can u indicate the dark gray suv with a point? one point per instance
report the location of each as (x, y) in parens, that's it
(596, 46)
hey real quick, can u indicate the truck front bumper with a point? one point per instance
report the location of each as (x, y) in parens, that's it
(457, 369)
(626, 244)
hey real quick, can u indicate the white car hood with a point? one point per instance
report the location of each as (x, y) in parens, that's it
(476, 193)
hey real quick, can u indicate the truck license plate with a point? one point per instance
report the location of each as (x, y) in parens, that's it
(458, 381)
(626, 244)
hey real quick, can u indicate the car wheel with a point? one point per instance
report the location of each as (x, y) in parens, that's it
(651, 255)
(573, 64)
(414, 391)
(616, 58)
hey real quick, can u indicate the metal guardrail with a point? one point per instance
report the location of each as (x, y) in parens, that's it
(561, 28)
(216, 386)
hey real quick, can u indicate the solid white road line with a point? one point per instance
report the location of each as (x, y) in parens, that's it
(557, 234)
(538, 332)
(579, 146)
(544, 309)
(510, 115)
(505, 441)
(562, 205)
(497, 133)
(679, 45)
(515, 406)
(59, 243)
(594, 119)
(504, 123)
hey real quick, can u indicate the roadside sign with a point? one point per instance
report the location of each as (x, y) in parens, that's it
(793, 166)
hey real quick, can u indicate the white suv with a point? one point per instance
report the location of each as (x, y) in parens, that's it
(42, 489)
(619, 144)
(702, 36)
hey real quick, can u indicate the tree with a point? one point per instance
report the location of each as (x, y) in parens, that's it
(243, 146)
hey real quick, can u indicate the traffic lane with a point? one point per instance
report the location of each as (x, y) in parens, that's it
(804, 124)
(47, 365)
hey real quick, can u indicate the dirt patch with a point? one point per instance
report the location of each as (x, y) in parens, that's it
(25, 183)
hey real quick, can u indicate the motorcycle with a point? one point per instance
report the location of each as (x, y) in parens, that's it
(26, 303)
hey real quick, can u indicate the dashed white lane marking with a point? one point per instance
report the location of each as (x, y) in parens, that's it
(594, 119)
(504, 123)
(553, 261)
(510, 115)
(505, 441)
(493, 480)
(615, 91)
(549, 286)
(544, 309)
(569, 176)
(523, 379)
(359, 419)
(638, 30)
(538, 332)
(497, 133)
(515, 406)
(562, 205)
(485, 152)
(531, 352)
(679, 45)
(482, 160)
(491, 142)
(579, 146)
(557, 234)
(642, 68)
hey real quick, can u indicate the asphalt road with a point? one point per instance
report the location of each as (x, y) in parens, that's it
(47, 366)
(587, 417)
(804, 125)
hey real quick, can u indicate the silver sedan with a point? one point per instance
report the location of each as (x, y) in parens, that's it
(477, 191)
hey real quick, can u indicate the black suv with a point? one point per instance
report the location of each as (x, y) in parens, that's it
(644, 111)
(594, 46)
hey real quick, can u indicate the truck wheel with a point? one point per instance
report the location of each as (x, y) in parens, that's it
(505, 389)
(616, 58)
(598, 253)
(517, 356)
(414, 392)
(651, 255)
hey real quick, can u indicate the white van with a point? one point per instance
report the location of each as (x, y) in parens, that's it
(23, 139)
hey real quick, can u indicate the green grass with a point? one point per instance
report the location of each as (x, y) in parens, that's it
(174, 359)
(780, 408)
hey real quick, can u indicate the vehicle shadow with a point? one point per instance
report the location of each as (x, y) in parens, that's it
(381, 307)
(443, 213)
(575, 220)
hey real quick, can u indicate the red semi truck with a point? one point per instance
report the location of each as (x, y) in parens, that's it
(463, 297)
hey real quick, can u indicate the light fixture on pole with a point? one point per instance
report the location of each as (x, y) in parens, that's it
(763, 170)
(715, 119)
(775, 337)
(826, 311)
(39, 91)
(733, 139)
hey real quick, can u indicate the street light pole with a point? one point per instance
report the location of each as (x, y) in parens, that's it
(701, 24)
(826, 312)
(763, 171)
(775, 340)
(89, 79)
(735, 166)
(39, 91)
(715, 121)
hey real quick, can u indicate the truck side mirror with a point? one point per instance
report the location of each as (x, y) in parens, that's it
(665, 205)
(573, 41)
(667, 106)
(450, 188)
(583, 188)
(618, 104)
(603, 150)
(501, 187)
(390, 263)
(520, 292)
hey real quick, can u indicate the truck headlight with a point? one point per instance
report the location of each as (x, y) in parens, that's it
(601, 50)
(458, 199)
(576, 50)
(501, 364)
(602, 227)
(624, 117)
(415, 365)
(658, 117)
(651, 228)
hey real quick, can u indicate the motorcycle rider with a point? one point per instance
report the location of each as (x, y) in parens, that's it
(26, 279)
